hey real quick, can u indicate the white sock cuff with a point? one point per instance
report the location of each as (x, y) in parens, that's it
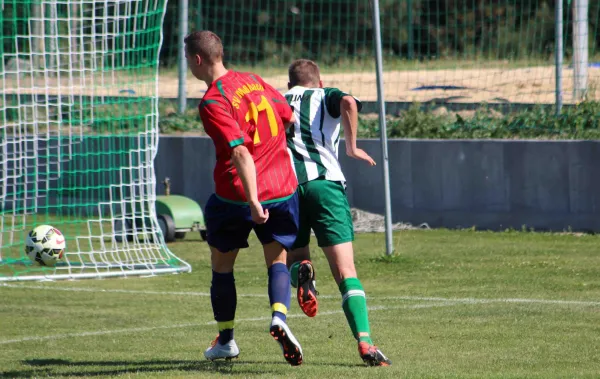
(351, 293)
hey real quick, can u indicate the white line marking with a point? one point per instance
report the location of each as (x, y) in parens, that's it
(254, 319)
(140, 292)
(500, 300)
(393, 298)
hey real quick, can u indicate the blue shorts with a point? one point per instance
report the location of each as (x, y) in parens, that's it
(228, 225)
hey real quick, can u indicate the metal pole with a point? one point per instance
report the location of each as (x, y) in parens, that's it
(383, 130)
(559, 54)
(75, 33)
(38, 36)
(580, 49)
(411, 31)
(52, 18)
(182, 63)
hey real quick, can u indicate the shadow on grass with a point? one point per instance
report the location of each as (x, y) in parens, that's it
(63, 367)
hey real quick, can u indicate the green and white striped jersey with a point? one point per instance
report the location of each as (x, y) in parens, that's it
(314, 139)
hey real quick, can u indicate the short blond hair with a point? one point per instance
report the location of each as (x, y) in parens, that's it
(206, 44)
(304, 72)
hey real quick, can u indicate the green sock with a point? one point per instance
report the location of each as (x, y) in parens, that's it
(294, 274)
(354, 304)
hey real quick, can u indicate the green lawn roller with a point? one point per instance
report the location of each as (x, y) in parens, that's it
(178, 215)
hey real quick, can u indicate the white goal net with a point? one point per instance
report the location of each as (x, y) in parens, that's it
(78, 136)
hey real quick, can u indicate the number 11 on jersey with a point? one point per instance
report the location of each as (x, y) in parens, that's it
(252, 114)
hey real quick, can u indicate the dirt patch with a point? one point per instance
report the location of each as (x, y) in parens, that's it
(369, 116)
(495, 85)
(366, 222)
(522, 85)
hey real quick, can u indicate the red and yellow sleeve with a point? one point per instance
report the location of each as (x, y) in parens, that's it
(221, 126)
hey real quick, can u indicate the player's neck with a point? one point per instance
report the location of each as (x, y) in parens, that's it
(215, 72)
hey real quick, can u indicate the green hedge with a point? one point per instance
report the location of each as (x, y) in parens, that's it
(577, 122)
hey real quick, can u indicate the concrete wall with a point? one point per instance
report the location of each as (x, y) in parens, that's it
(550, 185)
(547, 185)
(73, 184)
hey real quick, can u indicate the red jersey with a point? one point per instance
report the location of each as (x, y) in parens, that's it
(241, 109)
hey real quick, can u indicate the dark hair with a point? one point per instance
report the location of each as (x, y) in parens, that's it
(304, 72)
(206, 44)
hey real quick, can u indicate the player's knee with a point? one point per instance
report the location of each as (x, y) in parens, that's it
(222, 268)
(223, 262)
(274, 253)
(278, 259)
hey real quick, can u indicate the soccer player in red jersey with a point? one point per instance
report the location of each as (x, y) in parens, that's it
(255, 188)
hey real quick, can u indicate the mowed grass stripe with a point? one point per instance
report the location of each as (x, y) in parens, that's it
(188, 325)
(527, 309)
(392, 298)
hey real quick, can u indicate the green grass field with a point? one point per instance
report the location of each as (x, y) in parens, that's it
(451, 304)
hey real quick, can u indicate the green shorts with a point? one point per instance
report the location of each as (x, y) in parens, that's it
(324, 208)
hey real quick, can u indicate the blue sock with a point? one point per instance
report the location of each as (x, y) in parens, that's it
(224, 300)
(279, 290)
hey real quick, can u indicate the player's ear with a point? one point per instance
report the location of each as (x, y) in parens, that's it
(320, 83)
(198, 59)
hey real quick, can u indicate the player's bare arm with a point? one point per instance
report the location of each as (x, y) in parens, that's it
(243, 162)
(349, 113)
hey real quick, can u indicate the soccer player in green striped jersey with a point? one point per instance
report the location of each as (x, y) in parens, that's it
(313, 144)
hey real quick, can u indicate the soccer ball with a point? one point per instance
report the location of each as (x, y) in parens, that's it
(45, 245)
